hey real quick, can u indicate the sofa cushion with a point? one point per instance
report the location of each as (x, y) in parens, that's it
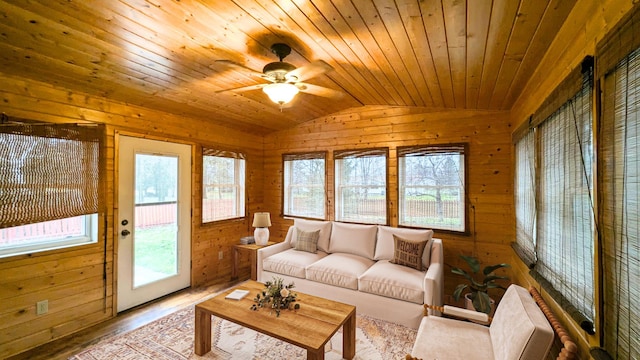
(385, 243)
(519, 329)
(408, 252)
(394, 281)
(291, 262)
(307, 241)
(313, 225)
(353, 239)
(339, 269)
(451, 339)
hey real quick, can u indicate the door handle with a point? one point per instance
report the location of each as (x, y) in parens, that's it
(125, 232)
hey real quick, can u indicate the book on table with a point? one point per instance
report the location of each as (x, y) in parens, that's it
(237, 294)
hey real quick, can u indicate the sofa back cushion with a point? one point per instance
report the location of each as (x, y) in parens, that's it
(353, 239)
(311, 226)
(519, 329)
(385, 244)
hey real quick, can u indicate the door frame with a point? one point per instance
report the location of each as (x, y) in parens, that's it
(117, 227)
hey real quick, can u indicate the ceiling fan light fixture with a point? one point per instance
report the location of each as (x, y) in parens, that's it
(280, 93)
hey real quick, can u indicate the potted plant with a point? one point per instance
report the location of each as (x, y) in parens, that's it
(479, 286)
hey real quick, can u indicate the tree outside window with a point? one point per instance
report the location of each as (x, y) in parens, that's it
(432, 187)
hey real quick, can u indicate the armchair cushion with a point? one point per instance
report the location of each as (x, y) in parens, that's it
(441, 338)
(528, 337)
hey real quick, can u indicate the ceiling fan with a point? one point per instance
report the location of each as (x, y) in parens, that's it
(285, 79)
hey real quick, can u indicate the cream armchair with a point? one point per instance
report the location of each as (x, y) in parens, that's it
(519, 330)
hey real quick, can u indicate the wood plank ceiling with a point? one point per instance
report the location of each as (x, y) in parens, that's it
(161, 54)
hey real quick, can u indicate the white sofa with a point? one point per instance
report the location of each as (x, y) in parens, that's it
(352, 265)
(519, 331)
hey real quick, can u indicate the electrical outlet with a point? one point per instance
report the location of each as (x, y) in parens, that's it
(42, 307)
(220, 255)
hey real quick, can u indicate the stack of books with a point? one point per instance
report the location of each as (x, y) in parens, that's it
(247, 240)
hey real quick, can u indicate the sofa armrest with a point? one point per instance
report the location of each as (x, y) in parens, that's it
(267, 251)
(434, 278)
(432, 285)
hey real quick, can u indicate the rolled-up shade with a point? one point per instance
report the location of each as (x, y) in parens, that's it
(48, 172)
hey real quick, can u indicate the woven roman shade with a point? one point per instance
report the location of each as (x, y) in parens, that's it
(525, 198)
(49, 172)
(305, 156)
(222, 153)
(565, 219)
(620, 204)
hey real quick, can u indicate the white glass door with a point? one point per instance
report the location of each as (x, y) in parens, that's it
(154, 219)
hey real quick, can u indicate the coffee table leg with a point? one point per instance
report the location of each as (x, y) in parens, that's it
(315, 355)
(202, 337)
(349, 337)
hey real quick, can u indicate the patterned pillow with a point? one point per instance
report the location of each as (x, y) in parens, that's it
(307, 241)
(408, 252)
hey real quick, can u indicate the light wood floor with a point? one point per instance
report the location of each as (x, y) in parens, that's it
(124, 322)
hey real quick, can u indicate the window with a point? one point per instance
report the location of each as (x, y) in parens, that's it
(432, 187)
(525, 198)
(556, 229)
(620, 139)
(49, 186)
(223, 185)
(361, 186)
(304, 185)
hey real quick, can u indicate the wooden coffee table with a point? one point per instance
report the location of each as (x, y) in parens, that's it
(309, 327)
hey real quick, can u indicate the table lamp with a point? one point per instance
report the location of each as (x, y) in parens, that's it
(261, 221)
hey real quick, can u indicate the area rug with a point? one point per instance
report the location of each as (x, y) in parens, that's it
(171, 337)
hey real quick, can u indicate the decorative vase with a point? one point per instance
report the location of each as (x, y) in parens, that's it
(261, 235)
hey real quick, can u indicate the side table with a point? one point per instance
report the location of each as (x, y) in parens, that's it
(253, 254)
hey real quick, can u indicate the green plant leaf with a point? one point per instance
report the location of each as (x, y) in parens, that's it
(489, 269)
(473, 263)
(458, 291)
(493, 278)
(482, 302)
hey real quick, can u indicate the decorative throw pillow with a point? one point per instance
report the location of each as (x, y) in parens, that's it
(408, 252)
(307, 241)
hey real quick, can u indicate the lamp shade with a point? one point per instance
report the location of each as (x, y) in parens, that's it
(261, 220)
(280, 93)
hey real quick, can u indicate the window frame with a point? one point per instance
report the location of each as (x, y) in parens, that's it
(338, 156)
(287, 160)
(428, 150)
(240, 175)
(89, 236)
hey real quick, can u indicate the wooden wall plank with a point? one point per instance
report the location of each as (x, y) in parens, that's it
(490, 177)
(72, 279)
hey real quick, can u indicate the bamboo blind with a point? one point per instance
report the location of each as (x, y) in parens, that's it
(48, 172)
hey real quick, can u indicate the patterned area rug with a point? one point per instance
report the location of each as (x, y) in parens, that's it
(172, 338)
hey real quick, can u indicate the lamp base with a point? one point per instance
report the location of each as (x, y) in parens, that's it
(261, 235)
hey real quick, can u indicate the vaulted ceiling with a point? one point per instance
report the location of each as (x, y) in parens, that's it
(163, 54)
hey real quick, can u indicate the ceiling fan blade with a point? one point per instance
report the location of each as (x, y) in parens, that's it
(319, 90)
(239, 66)
(308, 71)
(244, 88)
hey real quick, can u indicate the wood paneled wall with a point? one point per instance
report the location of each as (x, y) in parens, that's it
(587, 24)
(488, 134)
(72, 279)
